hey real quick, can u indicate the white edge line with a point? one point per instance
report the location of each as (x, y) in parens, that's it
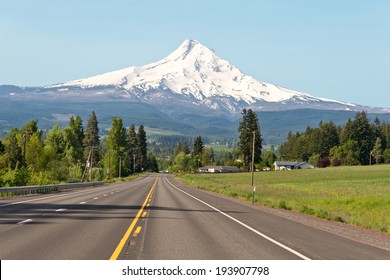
(25, 222)
(244, 225)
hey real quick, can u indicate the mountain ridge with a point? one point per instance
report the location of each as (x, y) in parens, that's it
(193, 78)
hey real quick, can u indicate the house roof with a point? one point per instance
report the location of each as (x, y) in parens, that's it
(286, 163)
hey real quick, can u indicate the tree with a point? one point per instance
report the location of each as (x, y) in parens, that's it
(142, 146)
(198, 146)
(269, 158)
(12, 149)
(116, 146)
(55, 139)
(181, 163)
(152, 165)
(91, 139)
(73, 137)
(359, 130)
(386, 156)
(249, 127)
(207, 157)
(347, 153)
(132, 146)
(34, 154)
(117, 136)
(2, 147)
(377, 151)
(328, 138)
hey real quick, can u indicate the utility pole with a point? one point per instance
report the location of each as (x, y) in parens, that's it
(253, 167)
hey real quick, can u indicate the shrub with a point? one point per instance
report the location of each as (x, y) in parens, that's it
(323, 214)
(336, 162)
(283, 205)
(323, 162)
(306, 210)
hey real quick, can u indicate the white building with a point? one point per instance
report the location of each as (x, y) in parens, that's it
(290, 165)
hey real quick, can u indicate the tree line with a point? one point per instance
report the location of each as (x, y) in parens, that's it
(28, 156)
(357, 142)
(188, 158)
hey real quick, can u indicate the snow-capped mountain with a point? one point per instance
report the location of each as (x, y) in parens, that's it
(192, 70)
(192, 78)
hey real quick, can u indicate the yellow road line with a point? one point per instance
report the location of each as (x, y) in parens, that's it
(137, 231)
(122, 243)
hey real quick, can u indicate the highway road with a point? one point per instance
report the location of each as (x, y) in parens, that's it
(157, 217)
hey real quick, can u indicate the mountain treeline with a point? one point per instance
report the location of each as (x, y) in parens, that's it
(357, 142)
(30, 157)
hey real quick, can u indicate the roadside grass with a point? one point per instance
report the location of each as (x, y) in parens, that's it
(358, 195)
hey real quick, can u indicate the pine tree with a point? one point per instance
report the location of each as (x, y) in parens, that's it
(249, 127)
(132, 146)
(198, 147)
(362, 133)
(377, 151)
(91, 139)
(142, 146)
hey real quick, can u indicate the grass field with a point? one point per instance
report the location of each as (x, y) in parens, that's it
(358, 195)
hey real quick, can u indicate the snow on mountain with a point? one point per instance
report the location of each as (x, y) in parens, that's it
(194, 70)
(191, 80)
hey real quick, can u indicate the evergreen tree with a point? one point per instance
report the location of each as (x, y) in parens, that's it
(152, 165)
(198, 146)
(377, 152)
(362, 133)
(91, 139)
(142, 146)
(328, 138)
(132, 146)
(248, 127)
(182, 147)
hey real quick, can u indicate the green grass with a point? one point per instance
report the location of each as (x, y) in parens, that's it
(358, 195)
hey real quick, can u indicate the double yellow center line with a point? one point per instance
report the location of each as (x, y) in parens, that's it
(122, 243)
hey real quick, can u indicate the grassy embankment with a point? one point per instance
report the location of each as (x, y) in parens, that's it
(358, 195)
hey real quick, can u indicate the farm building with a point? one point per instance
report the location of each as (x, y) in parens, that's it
(219, 169)
(290, 165)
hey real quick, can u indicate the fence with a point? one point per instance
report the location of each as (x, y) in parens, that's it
(26, 190)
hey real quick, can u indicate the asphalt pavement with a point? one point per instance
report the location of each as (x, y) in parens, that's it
(157, 217)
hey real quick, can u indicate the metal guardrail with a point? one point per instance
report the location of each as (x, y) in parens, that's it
(25, 190)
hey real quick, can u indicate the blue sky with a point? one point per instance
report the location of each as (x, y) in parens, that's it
(331, 49)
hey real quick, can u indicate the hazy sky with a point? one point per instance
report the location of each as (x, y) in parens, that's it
(337, 49)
